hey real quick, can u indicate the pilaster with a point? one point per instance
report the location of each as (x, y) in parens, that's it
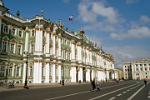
(59, 46)
(59, 73)
(38, 40)
(53, 73)
(73, 50)
(47, 41)
(47, 73)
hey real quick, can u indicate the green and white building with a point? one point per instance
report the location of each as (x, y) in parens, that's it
(48, 53)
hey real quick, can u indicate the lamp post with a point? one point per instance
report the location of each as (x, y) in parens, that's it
(114, 74)
(26, 76)
(63, 78)
(106, 74)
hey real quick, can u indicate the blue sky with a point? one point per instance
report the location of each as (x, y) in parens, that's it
(122, 27)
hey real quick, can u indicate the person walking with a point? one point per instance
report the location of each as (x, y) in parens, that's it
(93, 84)
(145, 82)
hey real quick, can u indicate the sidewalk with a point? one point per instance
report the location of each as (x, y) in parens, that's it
(49, 85)
(36, 86)
(31, 86)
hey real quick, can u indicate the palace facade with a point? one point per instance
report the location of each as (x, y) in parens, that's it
(45, 52)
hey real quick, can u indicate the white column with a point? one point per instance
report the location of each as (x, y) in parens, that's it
(72, 51)
(79, 53)
(37, 72)
(88, 75)
(54, 48)
(38, 41)
(26, 40)
(93, 74)
(59, 47)
(40, 72)
(47, 43)
(73, 74)
(59, 73)
(53, 73)
(81, 74)
(47, 73)
(90, 57)
(87, 56)
(24, 72)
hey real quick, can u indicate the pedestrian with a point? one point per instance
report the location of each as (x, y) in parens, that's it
(145, 82)
(93, 84)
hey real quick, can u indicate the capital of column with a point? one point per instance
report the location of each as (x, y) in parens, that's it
(78, 43)
(48, 30)
(27, 29)
(39, 27)
(73, 41)
(59, 35)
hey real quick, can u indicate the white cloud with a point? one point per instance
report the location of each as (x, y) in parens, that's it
(101, 17)
(133, 33)
(131, 1)
(66, 1)
(108, 12)
(124, 54)
(85, 14)
(93, 11)
(144, 19)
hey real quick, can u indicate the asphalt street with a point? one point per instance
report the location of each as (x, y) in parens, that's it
(125, 90)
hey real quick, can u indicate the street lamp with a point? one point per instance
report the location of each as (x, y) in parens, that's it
(106, 74)
(63, 81)
(26, 76)
(63, 78)
(114, 74)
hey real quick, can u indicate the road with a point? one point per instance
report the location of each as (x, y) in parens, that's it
(125, 90)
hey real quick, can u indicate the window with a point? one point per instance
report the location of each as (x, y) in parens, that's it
(140, 64)
(4, 46)
(10, 71)
(20, 33)
(11, 48)
(144, 64)
(146, 76)
(13, 31)
(5, 28)
(17, 71)
(145, 69)
(19, 49)
(10, 31)
(2, 71)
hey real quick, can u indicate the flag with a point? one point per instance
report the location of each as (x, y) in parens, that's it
(70, 18)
